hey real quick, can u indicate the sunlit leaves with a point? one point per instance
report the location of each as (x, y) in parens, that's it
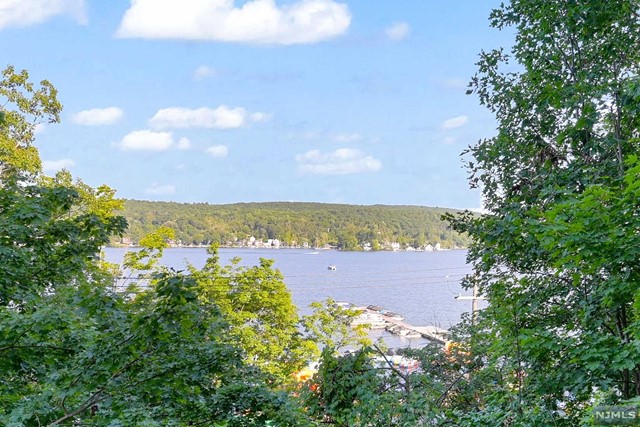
(262, 318)
(330, 325)
(23, 107)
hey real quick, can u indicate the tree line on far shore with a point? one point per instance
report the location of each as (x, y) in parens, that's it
(347, 227)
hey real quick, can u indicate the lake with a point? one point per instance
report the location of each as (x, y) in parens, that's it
(419, 285)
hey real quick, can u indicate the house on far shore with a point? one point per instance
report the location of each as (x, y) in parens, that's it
(272, 243)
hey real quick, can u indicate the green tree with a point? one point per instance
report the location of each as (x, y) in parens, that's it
(559, 326)
(347, 226)
(368, 387)
(348, 241)
(330, 325)
(25, 108)
(262, 318)
(77, 350)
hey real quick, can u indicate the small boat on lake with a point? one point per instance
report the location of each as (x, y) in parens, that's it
(386, 313)
(331, 267)
(391, 315)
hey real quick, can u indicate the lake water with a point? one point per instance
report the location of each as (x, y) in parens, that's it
(419, 285)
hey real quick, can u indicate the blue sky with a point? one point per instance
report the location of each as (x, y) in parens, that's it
(347, 101)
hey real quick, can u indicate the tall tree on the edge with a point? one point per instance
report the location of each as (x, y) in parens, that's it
(555, 253)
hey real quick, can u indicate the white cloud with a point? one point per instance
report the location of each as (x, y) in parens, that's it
(222, 117)
(204, 71)
(347, 137)
(146, 140)
(183, 144)
(454, 122)
(339, 162)
(157, 189)
(53, 166)
(98, 116)
(23, 13)
(398, 31)
(255, 21)
(217, 151)
(260, 117)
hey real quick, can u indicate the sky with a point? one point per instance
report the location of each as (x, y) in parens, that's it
(223, 101)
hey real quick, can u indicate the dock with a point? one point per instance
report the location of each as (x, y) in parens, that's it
(430, 332)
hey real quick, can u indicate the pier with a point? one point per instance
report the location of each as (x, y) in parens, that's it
(430, 332)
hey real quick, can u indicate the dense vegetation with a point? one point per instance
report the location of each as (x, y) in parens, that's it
(79, 347)
(348, 227)
(556, 256)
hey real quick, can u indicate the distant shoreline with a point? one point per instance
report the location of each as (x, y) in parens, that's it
(121, 246)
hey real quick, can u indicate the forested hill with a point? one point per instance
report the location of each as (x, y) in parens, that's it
(348, 227)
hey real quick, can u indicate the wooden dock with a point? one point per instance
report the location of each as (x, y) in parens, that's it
(432, 333)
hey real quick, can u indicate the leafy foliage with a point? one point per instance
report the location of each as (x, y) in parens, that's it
(79, 350)
(24, 108)
(261, 315)
(555, 256)
(367, 387)
(330, 325)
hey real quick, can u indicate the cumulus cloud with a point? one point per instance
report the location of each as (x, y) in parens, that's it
(454, 122)
(339, 162)
(23, 13)
(260, 117)
(146, 140)
(53, 166)
(217, 151)
(254, 21)
(222, 117)
(398, 31)
(204, 71)
(157, 189)
(98, 116)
